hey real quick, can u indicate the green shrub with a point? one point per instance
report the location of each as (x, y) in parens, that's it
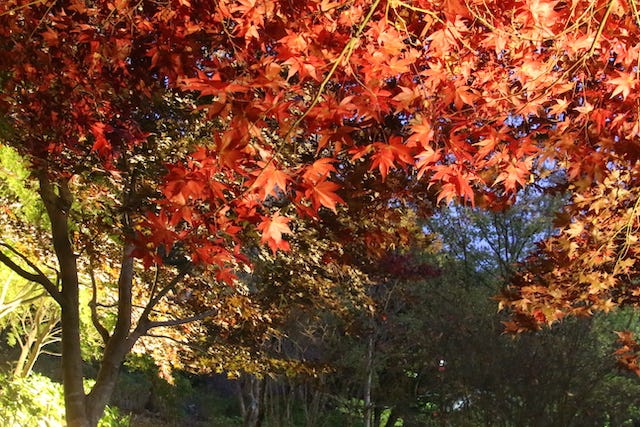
(30, 401)
(171, 400)
(113, 418)
(37, 401)
(140, 377)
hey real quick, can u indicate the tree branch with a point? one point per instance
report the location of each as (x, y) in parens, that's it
(98, 304)
(93, 304)
(144, 317)
(167, 337)
(176, 322)
(143, 321)
(156, 278)
(177, 341)
(38, 277)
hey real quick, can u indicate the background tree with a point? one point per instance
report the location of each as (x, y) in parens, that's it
(28, 315)
(556, 376)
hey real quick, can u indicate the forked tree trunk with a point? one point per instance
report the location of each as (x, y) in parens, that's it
(119, 344)
(84, 410)
(97, 400)
(58, 202)
(251, 395)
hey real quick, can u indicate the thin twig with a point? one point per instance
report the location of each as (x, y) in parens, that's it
(177, 322)
(24, 6)
(144, 317)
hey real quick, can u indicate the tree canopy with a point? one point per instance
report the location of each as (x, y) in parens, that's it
(179, 132)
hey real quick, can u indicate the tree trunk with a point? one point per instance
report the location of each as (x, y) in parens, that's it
(58, 207)
(25, 347)
(72, 375)
(85, 410)
(253, 406)
(368, 404)
(97, 400)
(120, 342)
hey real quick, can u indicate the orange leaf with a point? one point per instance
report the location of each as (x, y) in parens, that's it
(269, 179)
(319, 170)
(323, 194)
(515, 175)
(624, 84)
(387, 155)
(422, 133)
(272, 230)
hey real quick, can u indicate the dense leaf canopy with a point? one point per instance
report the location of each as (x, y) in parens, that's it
(467, 99)
(304, 109)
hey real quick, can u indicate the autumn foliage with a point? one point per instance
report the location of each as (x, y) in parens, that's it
(395, 85)
(315, 107)
(467, 98)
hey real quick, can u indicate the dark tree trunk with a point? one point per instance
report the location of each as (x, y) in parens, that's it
(118, 345)
(58, 204)
(84, 410)
(72, 375)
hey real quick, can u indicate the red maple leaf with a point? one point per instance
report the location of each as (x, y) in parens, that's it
(623, 84)
(269, 179)
(324, 194)
(388, 155)
(319, 169)
(272, 229)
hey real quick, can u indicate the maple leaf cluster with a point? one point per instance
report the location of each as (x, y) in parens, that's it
(295, 91)
(317, 106)
(412, 91)
(627, 353)
(589, 265)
